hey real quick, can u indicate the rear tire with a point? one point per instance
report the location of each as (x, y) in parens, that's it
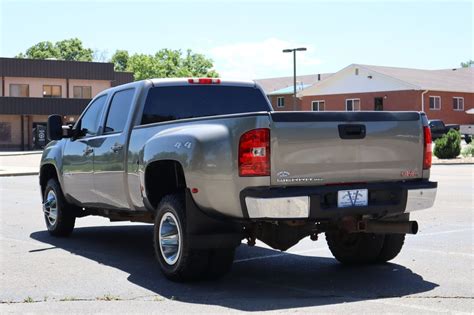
(58, 213)
(355, 248)
(392, 245)
(178, 261)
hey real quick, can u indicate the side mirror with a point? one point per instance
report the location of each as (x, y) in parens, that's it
(54, 129)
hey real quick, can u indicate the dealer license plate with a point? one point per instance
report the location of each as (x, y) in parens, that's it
(352, 198)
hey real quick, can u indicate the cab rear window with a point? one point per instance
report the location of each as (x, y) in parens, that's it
(179, 102)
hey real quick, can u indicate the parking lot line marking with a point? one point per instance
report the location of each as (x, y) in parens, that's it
(417, 307)
(445, 232)
(442, 252)
(278, 255)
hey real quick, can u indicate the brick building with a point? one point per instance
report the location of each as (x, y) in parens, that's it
(282, 99)
(31, 90)
(442, 94)
(280, 90)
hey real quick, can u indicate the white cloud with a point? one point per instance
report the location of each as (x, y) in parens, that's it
(253, 60)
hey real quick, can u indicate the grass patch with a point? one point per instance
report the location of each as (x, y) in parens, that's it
(468, 151)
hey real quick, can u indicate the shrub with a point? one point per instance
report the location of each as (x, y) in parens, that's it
(468, 151)
(449, 146)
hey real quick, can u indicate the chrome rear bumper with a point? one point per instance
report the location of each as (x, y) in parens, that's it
(418, 199)
(278, 208)
(319, 202)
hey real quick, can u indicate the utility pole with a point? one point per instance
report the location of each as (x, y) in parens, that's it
(294, 50)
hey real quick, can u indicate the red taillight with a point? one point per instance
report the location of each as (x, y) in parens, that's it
(254, 153)
(204, 81)
(427, 148)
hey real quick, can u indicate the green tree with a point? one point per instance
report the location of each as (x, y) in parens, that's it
(68, 49)
(167, 63)
(120, 60)
(467, 64)
(42, 50)
(143, 66)
(73, 50)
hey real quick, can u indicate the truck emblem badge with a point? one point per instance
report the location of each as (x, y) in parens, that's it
(409, 173)
(187, 145)
(283, 174)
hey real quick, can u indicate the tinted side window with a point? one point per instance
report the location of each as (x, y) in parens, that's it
(91, 119)
(118, 111)
(179, 102)
(436, 124)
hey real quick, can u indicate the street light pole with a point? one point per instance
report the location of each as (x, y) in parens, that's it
(294, 50)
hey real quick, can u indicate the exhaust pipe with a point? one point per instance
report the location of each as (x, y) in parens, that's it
(387, 227)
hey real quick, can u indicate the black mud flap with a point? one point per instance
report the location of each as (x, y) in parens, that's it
(206, 232)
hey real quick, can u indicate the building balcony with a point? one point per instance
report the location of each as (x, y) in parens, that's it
(42, 106)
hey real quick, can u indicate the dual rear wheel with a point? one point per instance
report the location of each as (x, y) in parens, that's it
(364, 248)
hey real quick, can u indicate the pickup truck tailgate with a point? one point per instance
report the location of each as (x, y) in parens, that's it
(317, 148)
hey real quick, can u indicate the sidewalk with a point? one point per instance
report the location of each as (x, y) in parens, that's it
(19, 163)
(16, 153)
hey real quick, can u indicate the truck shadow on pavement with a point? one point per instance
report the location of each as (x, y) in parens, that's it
(272, 283)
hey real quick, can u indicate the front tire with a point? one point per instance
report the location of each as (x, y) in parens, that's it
(58, 214)
(178, 261)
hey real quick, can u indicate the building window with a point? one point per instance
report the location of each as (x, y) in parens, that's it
(5, 132)
(82, 92)
(356, 71)
(317, 105)
(435, 102)
(280, 102)
(52, 91)
(458, 103)
(19, 90)
(352, 104)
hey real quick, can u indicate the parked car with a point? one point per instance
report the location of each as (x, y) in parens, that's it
(210, 164)
(439, 128)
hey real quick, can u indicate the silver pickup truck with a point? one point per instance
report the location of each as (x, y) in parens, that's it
(210, 164)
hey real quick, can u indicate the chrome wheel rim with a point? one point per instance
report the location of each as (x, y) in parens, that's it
(50, 207)
(170, 238)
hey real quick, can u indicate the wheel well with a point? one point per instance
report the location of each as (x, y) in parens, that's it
(163, 178)
(47, 172)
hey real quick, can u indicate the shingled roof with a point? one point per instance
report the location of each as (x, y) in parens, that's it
(273, 84)
(456, 80)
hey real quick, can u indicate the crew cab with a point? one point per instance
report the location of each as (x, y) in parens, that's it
(210, 164)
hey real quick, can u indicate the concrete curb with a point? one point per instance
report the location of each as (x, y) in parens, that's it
(19, 174)
(463, 163)
(20, 153)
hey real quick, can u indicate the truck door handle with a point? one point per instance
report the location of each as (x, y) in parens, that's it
(88, 151)
(116, 147)
(352, 131)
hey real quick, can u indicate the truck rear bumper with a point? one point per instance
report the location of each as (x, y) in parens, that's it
(320, 202)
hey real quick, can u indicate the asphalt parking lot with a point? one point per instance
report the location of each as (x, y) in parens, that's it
(109, 267)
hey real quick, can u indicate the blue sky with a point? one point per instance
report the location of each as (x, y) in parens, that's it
(245, 38)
